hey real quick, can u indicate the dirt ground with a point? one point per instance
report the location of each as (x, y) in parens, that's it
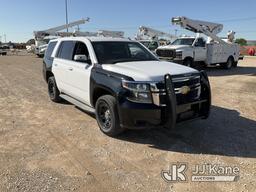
(57, 147)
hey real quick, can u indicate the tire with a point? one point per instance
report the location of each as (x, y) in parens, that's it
(235, 64)
(229, 64)
(107, 115)
(188, 62)
(53, 90)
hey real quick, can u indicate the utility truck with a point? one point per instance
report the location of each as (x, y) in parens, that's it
(191, 51)
(150, 37)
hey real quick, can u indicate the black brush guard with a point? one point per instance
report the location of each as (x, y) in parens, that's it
(203, 104)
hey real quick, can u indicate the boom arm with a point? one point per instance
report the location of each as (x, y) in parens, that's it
(85, 33)
(100, 33)
(208, 28)
(106, 33)
(53, 31)
(152, 33)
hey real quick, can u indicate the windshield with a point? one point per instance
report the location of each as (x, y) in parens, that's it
(183, 41)
(146, 43)
(151, 45)
(111, 52)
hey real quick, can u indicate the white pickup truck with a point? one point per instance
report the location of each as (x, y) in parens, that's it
(124, 84)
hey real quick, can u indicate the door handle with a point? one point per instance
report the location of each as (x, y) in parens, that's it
(70, 69)
(55, 64)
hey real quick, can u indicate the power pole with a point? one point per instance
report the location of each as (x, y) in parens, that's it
(66, 4)
(5, 38)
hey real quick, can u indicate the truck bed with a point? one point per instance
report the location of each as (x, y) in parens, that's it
(219, 53)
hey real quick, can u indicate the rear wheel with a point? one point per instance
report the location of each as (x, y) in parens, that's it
(229, 64)
(107, 115)
(53, 90)
(235, 64)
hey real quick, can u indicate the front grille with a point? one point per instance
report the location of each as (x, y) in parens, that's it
(193, 82)
(187, 81)
(160, 97)
(165, 53)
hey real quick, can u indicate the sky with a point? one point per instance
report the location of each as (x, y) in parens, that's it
(19, 18)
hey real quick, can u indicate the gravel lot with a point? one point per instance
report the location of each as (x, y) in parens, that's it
(57, 147)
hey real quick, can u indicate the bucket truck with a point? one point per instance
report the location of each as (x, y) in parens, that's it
(150, 37)
(193, 50)
(43, 37)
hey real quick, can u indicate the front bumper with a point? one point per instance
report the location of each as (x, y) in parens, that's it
(140, 116)
(171, 59)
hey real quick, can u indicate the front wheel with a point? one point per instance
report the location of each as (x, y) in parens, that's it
(107, 115)
(188, 62)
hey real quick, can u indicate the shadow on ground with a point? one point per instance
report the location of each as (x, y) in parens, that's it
(240, 70)
(224, 133)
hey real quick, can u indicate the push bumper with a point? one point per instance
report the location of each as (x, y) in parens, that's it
(140, 116)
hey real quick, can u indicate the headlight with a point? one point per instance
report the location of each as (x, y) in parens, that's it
(139, 92)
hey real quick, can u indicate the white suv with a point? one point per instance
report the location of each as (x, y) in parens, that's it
(124, 84)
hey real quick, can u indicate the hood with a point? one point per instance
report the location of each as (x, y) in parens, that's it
(174, 47)
(148, 70)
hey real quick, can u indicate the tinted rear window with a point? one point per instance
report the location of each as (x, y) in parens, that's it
(66, 50)
(49, 50)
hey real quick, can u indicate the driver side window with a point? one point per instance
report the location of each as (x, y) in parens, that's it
(81, 51)
(200, 43)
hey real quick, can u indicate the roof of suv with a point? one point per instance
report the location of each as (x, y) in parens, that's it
(93, 39)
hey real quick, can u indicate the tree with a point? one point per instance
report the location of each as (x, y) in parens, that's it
(241, 42)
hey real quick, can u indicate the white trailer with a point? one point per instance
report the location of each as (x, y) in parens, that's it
(193, 50)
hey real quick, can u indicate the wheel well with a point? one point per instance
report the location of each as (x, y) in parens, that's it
(98, 92)
(48, 75)
(188, 58)
(231, 56)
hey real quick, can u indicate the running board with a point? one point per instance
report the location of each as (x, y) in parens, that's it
(78, 103)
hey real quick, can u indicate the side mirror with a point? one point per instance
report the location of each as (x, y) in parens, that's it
(81, 58)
